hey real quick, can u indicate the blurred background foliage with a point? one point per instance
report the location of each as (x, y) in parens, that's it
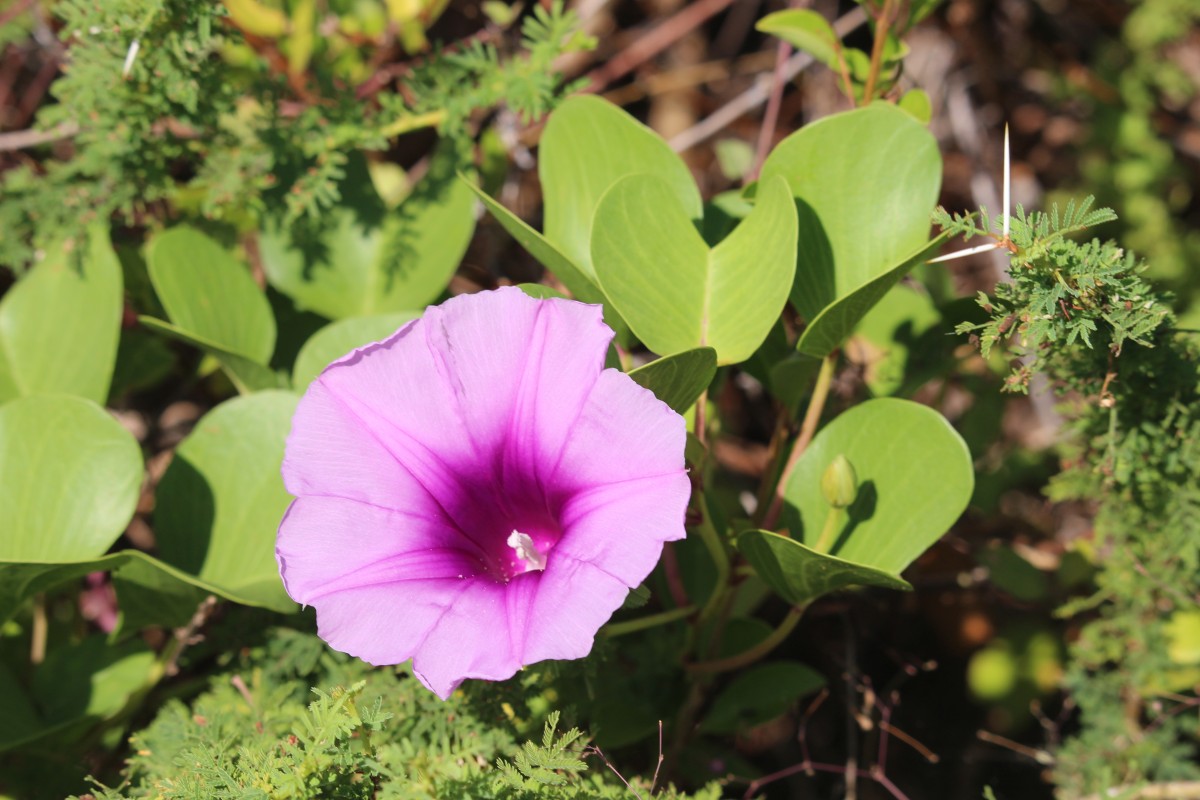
(297, 120)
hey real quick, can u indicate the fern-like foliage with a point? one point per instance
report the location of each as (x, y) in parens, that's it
(1062, 291)
(260, 732)
(550, 764)
(203, 124)
(1081, 315)
(476, 77)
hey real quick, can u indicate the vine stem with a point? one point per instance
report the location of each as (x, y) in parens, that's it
(40, 628)
(650, 621)
(825, 540)
(702, 417)
(716, 551)
(882, 23)
(756, 652)
(808, 428)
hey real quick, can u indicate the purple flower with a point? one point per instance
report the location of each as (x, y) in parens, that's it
(477, 492)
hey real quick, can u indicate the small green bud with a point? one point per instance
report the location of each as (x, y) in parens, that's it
(839, 484)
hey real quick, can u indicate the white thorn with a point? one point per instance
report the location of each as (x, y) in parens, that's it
(134, 46)
(1007, 182)
(970, 251)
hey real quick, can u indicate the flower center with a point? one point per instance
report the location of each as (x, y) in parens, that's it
(528, 557)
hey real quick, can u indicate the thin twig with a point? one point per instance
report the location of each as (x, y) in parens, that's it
(186, 636)
(1040, 756)
(1170, 790)
(767, 132)
(40, 628)
(757, 94)
(658, 766)
(19, 140)
(597, 751)
(646, 47)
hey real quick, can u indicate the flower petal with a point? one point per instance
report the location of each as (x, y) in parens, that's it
(520, 369)
(470, 640)
(620, 528)
(573, 600)
(385, 624)
(624, 432)
(332, 452)
(322, 549)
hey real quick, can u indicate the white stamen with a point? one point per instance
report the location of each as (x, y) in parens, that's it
(526, 551)
(129, 58)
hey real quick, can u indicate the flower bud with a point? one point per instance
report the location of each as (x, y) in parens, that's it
(839, 484)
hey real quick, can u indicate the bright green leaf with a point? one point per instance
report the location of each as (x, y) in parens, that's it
(69, 479)
(917, 103)
(547, 254)
(865, 183)
(883, 338)
(148, 591)
(589, 144)
(59, 325)
(805, 30)
(339, 338)
(830, 328)
(220, 501)
(674, 292)
(915, 479)
(210, 295)
(367, 260)
(679, 379)
(92, 679)
(580, 284)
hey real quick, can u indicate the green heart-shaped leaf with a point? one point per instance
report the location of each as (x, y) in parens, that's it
(366, 259)
(339, 338)
(679, 379)
(69, 479)
(837, 321)
(865, 184)
(581, 285)
(208, 294)
(60, 324)
(805, 30)
(220, 501)
(799, 574)
(885, 336)
(589, 144)
(914, 480)
(674, 292)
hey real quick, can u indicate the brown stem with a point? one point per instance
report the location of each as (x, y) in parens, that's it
(647, 47)
(40, 627)
(882, 24)
(844, 69)
(767, 132)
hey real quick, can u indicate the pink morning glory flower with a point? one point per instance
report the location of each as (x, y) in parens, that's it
(477, 492)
